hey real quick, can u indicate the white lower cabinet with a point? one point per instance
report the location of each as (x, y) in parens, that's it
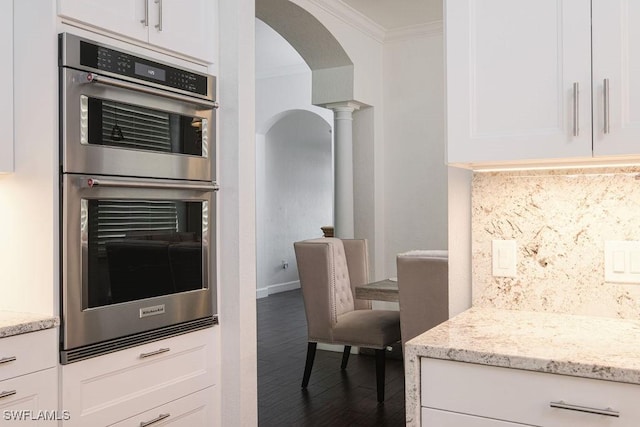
(29, 379)
(30, 399)
(495, 396)
(435, 417)
(176, 376)
(195, 410)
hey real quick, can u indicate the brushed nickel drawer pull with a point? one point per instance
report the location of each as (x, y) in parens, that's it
(607, 412)
(154, 353)
(7, 359)
(576, 109)
(607, 111)
(155, 420)
(7, 393)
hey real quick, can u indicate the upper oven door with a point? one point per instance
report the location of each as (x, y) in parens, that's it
(114, 127)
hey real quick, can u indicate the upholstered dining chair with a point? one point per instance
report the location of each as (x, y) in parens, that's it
(423, 291)
(329, 269)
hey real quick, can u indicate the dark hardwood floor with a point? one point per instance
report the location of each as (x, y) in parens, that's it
(333, 397)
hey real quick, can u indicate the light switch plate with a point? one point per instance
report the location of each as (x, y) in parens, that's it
(622, 261)
(503, 258)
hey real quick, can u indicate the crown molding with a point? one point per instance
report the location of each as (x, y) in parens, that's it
(352, 17)
(429, 29)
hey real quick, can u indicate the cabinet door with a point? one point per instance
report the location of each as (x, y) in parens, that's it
(184, 26)
(616, 58)
(125, 17)
(436, 418)
(109, 388)
(6, 86)
(194, 410)
(31, 397)
(511, 71)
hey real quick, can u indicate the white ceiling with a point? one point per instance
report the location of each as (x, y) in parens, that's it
(394, 14)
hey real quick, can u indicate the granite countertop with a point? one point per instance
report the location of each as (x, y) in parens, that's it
(16, 323)
(583, 346)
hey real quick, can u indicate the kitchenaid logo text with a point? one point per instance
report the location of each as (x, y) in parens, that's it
(151, 311)
(29, 415)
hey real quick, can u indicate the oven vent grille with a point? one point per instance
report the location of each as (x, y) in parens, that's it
(99, 349)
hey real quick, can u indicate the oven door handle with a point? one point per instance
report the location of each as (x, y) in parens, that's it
(99, 79)
(99, 182)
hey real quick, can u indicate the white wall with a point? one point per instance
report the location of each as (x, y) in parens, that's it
(415, 173)
(459, 240)
(279, 94)
(29, 267)
(283, 96)
(297, 192)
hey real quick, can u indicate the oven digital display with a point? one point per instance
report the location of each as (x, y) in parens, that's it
(149, 71)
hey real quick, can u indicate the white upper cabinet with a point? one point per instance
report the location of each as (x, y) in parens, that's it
(616, 59)
(518, 80)
(183, 26)
(6, 86)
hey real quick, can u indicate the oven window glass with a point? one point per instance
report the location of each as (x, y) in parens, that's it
(139, 249)
(130, 126)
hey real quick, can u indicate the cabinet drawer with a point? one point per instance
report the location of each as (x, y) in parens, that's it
(30, 397)
(437, 418)
(106, 389)
(526, 396)
(194, 410)
(26, 353)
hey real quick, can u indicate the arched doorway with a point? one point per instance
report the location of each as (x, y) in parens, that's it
(294, 191)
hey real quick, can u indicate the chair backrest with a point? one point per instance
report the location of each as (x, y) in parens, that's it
(423, 286)
(325, 267)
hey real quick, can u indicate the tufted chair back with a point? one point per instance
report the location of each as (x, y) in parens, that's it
(329, 268)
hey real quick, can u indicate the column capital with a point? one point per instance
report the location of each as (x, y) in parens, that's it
(347, 106)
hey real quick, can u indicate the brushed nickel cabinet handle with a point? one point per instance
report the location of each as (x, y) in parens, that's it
(155, 420)
(607, 412)
(7, 359)
(607, 111)
(7, 393)
(154, 353)
(159, 24)
(576, 109)
(145, 21)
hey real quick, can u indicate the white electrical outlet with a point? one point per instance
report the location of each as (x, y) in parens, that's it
(622, 261)
(503, 257)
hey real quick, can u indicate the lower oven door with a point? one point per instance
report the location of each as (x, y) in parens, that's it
(138, 255)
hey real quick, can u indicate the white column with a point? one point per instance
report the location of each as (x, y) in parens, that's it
(238, 387)
(343, 168)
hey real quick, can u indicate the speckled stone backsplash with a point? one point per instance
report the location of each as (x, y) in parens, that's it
(560, 220)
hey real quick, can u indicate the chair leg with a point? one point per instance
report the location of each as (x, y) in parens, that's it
(345, 357)
(380, 363)
(311, 354)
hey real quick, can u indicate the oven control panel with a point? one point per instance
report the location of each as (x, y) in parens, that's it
(126, 64)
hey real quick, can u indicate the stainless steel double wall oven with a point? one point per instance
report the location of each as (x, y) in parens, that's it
(137, 156)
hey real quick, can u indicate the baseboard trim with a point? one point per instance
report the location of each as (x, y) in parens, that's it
(275, 289)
